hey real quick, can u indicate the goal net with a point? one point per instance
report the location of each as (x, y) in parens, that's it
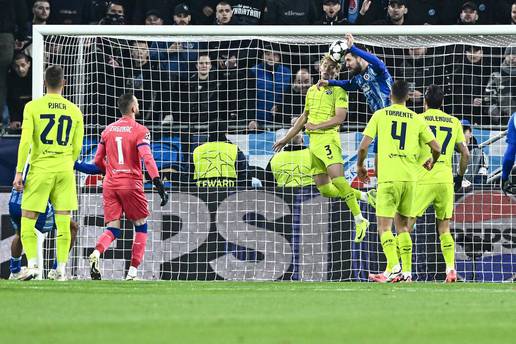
(247, 85)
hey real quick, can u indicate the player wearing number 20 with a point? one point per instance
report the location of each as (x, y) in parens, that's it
(53, 130)
(123, 145)
(399, 131)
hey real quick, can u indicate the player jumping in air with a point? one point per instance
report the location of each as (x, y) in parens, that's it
(122, 146)
(325, 110)
(399, 131)
(45, 223)
(53, 130)
(508, 157)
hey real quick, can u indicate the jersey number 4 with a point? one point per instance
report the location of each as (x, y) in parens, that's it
(63, 129)
(401, 137)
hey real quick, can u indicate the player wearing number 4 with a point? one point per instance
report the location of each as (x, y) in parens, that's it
(53, 130)
(325, 110)
(399, 131)
(123, 145)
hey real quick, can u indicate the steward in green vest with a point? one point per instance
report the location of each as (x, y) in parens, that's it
(218, 162)
(291, 167)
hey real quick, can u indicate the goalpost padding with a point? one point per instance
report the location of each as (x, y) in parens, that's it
(251, 233)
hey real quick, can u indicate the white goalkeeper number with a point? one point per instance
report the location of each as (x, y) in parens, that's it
(118, 140)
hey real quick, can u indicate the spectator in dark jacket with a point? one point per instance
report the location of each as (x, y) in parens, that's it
(13, 24)
(288, 12)
(294, 102)
(332, 14)
(248, 12)
(469, 14)
(396, 14)
(20, 88)
(165, 8)
(223, 13)
(153, 17)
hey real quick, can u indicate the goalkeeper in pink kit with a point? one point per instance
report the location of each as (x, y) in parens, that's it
(122, 146)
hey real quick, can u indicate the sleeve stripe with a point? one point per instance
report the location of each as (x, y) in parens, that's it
(142, 144)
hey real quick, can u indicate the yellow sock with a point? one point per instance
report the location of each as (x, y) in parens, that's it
(63, 237)
(29, 238)
(448, 250)
(346, 192)
(328, 190)
(389, 249)
(397, 247)
(405, 244)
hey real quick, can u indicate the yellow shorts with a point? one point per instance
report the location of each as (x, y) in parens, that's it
(325, 150)
(395, 197)
(441, 196)
(58, 187)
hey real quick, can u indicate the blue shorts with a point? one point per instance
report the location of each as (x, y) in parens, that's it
(45, 221)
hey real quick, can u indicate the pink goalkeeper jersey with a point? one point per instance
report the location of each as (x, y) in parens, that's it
(122, 147)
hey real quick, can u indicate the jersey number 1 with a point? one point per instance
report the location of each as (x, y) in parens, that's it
(118, 140)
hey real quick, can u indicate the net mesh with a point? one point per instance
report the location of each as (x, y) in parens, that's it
(252, 87)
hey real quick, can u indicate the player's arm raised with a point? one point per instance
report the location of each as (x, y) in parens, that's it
(145, 154)
(24, 147)
(296, 128)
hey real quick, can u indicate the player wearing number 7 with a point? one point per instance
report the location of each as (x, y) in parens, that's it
(52, 130)
(123, 145)
(399, 132)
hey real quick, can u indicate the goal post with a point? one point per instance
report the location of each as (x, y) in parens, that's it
(255, 231)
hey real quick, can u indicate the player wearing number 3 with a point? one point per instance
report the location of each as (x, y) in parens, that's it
(52, 130)
(325, 110)
(123, 145)
(400, 132)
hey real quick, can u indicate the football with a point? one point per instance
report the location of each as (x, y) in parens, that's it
(338, 50)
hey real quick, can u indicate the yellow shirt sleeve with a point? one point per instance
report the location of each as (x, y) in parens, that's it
(26, 137)
(372, 127)
(341, 97)
(78, 136)
(460, 133)
(307, 100)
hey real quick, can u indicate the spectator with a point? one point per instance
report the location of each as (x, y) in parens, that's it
(71, 12)
(202, 11)
(19, 93)
(182, 15)
(114, 15)
(476, 173)
(396, 12)
(294, 103)
(40, 14)
(165, 9)
(332, 14)
(272, 82)
(369, 10)
(153, 17)
(501, 89)
(248, 12)
(468, 14)
(13, 25)
(469, 79)
(288, 12)
(420, 70)
(423, 12)
(138, 78)
(200, 95)
(223, 13)
(513, 14)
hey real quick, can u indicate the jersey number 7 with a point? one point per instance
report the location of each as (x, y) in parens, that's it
(447, 139)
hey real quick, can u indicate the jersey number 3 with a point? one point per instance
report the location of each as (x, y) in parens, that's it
(63, 129)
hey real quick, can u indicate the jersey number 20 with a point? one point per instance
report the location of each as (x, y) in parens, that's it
(64, 126)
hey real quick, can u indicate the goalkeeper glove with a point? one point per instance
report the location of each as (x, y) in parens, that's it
(161, 190)
(457, 182)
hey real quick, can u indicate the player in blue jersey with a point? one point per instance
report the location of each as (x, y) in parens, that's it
(508, 157)
(45, 224)
(369, 74)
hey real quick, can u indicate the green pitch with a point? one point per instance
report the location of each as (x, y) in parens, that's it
(224, 312)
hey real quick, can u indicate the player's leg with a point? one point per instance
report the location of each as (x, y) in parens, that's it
(443, 212)
(64, 199)
(136, 209)
(74, 228)
(16, 257)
